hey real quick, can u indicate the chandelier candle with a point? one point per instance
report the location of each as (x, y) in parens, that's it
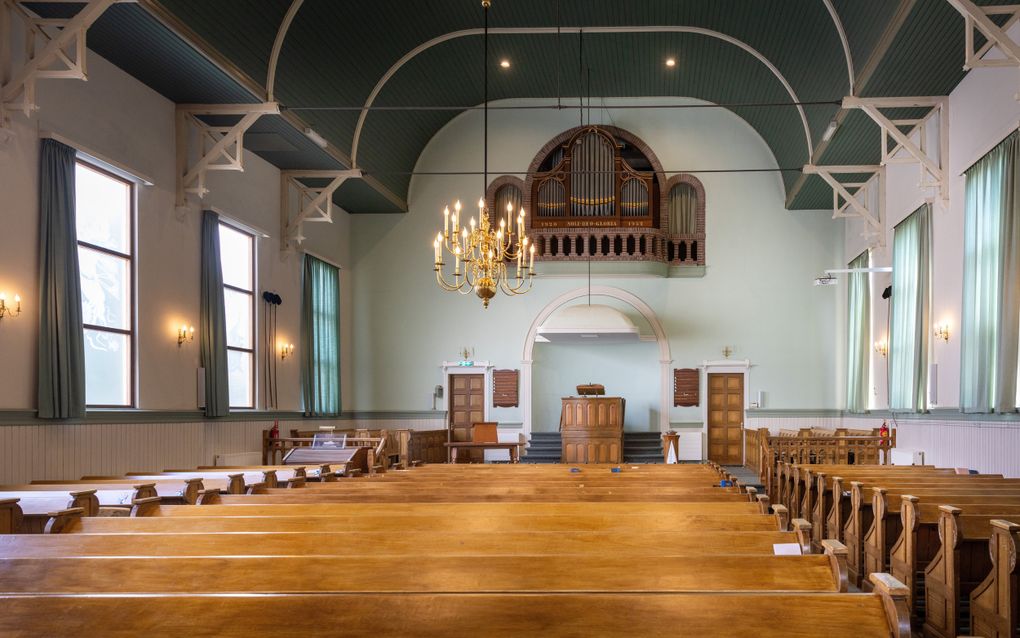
(488, 252)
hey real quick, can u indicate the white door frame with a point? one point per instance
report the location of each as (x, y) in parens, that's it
(665, 359)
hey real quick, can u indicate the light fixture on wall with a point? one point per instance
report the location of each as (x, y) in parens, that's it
(882, 347)
(942, 331)
(286, 350)
(7, 311)
(671, 62)
(185, 333)
(486, 251)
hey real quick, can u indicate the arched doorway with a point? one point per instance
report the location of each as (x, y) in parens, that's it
(665, 358)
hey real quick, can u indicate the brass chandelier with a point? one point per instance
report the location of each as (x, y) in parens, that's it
(488, 253)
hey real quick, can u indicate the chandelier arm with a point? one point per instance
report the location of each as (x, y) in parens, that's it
(441, 280)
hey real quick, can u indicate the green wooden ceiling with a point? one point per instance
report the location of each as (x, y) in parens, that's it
(337, 50)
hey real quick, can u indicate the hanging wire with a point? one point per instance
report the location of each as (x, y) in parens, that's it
(550, 107)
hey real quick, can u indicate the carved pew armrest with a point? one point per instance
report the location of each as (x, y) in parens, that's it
(144, 506)
(64, 521)
(803, 529)
(784, 516)
(837, 553)
(894, 601)
(208, 497)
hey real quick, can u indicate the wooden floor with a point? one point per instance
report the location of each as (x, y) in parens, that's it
(442, 550)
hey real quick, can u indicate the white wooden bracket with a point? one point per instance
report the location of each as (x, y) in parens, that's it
(220, 148)
(980, 19)
(866, 201)
(924, 140)
(54, 49)
(301, 204)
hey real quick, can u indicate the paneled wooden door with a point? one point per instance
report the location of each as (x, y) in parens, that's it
(726, 418)
(467, 406)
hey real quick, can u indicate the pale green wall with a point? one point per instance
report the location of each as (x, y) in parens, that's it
(756, 296)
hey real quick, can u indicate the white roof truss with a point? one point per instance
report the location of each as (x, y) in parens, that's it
(301, 204)
(925, 140)
(980, 19)
(219, 148)
(53, 49)
(864, 200)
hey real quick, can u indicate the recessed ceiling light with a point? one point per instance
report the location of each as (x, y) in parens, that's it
(671, 62)
(505, 64)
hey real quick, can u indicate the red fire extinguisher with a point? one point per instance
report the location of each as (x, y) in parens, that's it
(274, 433)
(884, 430)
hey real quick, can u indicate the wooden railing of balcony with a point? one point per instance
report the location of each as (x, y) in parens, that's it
(619, 244)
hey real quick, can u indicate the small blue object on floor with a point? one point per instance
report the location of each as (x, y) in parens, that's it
(575, 470)
(725, 483)
(615, 470)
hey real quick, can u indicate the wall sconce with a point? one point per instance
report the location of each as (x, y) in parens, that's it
(942, 331)
(882, 347)
(185, 333)
(6, 310)
(286, 350)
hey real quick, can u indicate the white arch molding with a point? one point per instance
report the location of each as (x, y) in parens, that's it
(665, 358)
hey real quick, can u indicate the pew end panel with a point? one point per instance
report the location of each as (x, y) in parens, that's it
(903, 557)
(10, 516)
(836, 551)
(64, 521)
(995, 603)
(784, 517)
(145, 506)
(803, 530)
(894, 601)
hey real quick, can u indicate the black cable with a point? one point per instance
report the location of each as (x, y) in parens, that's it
(688, 171)
(551, 107)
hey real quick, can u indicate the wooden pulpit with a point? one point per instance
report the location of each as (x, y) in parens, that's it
(591, 429)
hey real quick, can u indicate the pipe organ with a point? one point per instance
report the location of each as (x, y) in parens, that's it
(588, 182)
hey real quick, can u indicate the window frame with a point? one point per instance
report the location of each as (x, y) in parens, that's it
(253, 351)
(132, 332)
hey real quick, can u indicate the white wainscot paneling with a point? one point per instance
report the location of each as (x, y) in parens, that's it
(68, 451)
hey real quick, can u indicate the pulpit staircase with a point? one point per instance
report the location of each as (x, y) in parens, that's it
(545, 447)
(642, 447)
(638, 447)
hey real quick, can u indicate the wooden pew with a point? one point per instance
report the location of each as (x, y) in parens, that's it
(816, 493)
(861, 515)
(120, 493)
(959, 567)
(236, 482)
(799, 484)
(35, 508)
(886, 534)
(10, 515)
(481, 496)
(919, 542)
(454, 615)
(995, 603)
(387, 543)
(429, 522)
(449, 574)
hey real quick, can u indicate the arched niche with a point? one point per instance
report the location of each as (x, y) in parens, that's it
(665, 358)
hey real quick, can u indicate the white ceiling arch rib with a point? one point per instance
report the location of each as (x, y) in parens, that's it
(846, 43)
(446, 37)
(281, 35)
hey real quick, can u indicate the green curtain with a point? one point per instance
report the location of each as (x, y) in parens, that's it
(683, 202)
(320, 337)
(212, 323)
(991, 282)
(858, 351)
(61, 335)
(909, 317)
